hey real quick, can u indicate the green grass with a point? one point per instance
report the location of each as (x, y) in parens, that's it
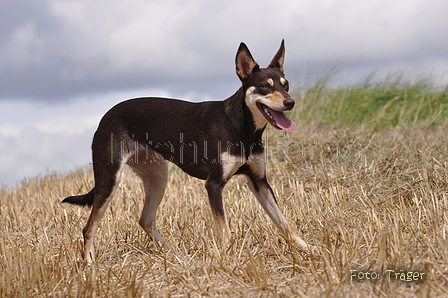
(382, 105)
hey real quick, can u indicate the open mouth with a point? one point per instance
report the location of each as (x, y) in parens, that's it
(276, 118)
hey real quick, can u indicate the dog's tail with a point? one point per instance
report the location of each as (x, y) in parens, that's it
(81, 200)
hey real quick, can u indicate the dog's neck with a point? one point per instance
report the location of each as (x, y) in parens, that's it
(241, 118)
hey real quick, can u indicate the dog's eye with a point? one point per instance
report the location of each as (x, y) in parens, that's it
(286, 86)
(265, 87)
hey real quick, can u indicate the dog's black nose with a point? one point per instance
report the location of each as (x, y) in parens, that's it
(289, 103)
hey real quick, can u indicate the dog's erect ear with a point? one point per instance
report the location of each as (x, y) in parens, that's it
(245, 63)
(279, 58)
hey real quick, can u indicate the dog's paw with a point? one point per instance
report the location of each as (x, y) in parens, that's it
(314, 250)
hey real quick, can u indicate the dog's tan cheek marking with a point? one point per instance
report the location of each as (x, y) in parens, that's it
(250, 96)
(251, 99)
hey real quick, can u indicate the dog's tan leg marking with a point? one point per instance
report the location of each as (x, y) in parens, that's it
(230, 164)
(223, 230)
(214, 191)
(266, 199)
(89, 230)
(265, 196)
(154, 176)
(98, 209)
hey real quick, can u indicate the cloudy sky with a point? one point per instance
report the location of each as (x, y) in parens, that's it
(63, 64)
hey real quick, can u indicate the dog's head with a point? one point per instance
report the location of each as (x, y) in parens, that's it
(266, 89)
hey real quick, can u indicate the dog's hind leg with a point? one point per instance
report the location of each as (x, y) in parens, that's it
(107, 177)
(154, 176)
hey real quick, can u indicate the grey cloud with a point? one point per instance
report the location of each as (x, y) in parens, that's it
(56, 50)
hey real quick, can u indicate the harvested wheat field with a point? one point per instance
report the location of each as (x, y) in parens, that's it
(374, 200)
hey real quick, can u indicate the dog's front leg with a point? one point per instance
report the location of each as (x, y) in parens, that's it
(214, 190)
(265, 196)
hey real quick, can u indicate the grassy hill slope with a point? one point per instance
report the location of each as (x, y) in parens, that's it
(363, 177)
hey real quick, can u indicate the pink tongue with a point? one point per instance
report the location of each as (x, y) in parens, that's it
(282, 121)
